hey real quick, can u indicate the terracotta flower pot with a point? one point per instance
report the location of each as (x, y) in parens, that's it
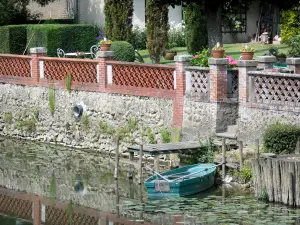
(247, 55)
(218, 53)
(169, 55)
(105, 47)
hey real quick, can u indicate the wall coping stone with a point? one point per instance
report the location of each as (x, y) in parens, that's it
(293, 61)
(105, 54)
(275, 74)
(214, 61)
(38, 50)
(182, 58)
(196, 68)
(247, 63)
(266, 59)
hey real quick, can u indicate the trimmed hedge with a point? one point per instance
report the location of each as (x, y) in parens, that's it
(13, 39)
(281, 137)
(70, 38)
(124, 51)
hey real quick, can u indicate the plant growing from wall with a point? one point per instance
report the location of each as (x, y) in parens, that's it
(166, 135)
(70, 212)
(151, 136)
(28, 125)
(7, 118)
(85, 121)
(51, 98)
(118, 19)
(52, 188)
(201, 58)
(68, 82)
(157, 29)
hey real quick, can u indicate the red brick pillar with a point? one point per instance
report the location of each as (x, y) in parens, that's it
(37, 211)
(218, 79)
(102, 75)
(244, 80)
(179, 85)
(35, 63)
(266, 62)
(294, 64)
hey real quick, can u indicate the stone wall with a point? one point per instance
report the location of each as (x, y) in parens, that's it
(25, 112)
(253, 118)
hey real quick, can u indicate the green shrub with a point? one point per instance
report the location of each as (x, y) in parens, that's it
(13, 39)
(139, 38)
(7, 117)
(71, 38)
(201, 58)
(176, 36)
(27, 125)
(166, 135)
(294, 44)
(51, 99)
(124, 51)
(290, 25)
(245, 173)
(281, 137)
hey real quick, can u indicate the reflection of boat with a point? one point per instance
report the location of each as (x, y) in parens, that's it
(182, 181)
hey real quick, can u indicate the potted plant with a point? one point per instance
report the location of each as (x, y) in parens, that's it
(170, 52)
(247, 53)
(281, 57)
(218, 51)
(105, 44)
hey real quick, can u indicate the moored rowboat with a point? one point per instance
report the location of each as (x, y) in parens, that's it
(182, 181)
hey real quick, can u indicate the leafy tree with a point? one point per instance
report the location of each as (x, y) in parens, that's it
(118, 19)
(15, 11)
(157, 29)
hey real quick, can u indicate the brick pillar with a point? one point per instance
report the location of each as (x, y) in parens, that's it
(179, 84)
(35, 63)
(103, 56)
(218, 79)
(266, 62)
(294, 64)
(37, 212)
(245, 84)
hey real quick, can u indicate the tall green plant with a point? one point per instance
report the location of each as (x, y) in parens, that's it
(52, 189)
(157, 29)
(51, 98)
(118, 19)
(68, 82)
(195, 28)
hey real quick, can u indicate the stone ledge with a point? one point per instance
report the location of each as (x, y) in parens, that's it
(266, 59)
(214, 61)
(104, 54)
(293, 61)
(38, 50)
(182, 58)
(247, 63)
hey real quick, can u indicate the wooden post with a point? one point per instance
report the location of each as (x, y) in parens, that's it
(117, 159)
(140, 165)
(297, 151)
(241, 154)
(131, 166)
(156, 163)
(36, 212)
(131, 189)
(224, 158)
(257, 148)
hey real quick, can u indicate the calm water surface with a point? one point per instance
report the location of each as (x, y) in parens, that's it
(82, 190)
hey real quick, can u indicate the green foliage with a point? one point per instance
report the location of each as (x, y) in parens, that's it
(157, 29)
(13, 39)
(201, 58)
(118, 19)
(68, 82)
(139, 38)
(165, 135)
(273, 51)
(290, 24)
(50, 21)
(7, 118)
(51, 99)
(151, 136)
(195, 28)
(245, 173)
(175, 135)
(85, 121)
(124, 51)
(71, 38)
(205, 154)
(52, 188)
(176, 36)
(281, 138)
(28, 125)
(70, 212)
(294, 44)
(263, 195)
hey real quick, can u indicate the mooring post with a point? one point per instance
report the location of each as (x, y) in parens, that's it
(131, 166)
(297, 150)
(257, 148)
(156, 163)
(117, 159)
(140, 165)
(241, 155)
(224, 158)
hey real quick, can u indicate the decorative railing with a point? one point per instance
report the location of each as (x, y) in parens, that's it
(233, 83)
(151, 76)
(80, 70)
(15, 65)
(274, 88)
(197, 82)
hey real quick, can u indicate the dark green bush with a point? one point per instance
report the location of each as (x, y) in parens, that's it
(294, 44)
(281, 137)
(289, 23)
(13, 39)
(71, 38)
(124, 51)
(139, 38)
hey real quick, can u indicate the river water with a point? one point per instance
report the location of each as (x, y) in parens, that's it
(80, 183)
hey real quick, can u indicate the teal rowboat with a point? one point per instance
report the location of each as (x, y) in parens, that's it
(182, 181)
